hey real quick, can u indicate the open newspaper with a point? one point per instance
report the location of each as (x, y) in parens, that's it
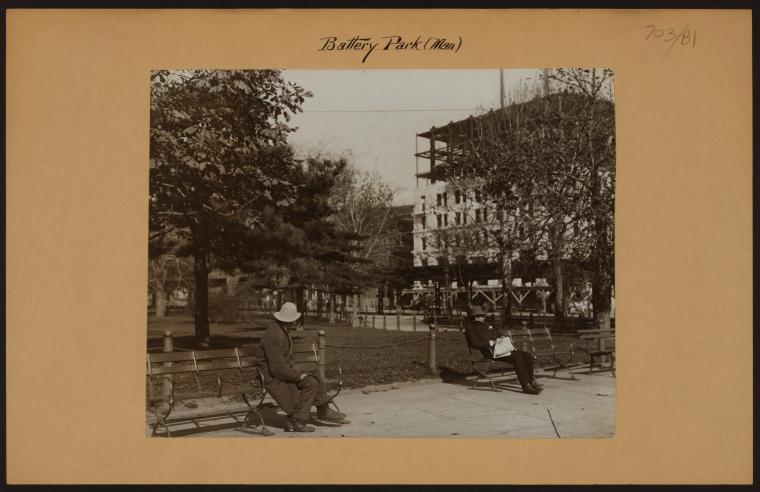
(502, 347)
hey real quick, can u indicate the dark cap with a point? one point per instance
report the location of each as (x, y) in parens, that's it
(476, 311)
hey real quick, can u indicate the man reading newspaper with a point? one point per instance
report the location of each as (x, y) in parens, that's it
(494, 343)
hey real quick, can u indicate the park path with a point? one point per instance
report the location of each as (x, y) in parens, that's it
(579, 409)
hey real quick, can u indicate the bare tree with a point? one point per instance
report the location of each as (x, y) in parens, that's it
(167, 273)
(545, 170)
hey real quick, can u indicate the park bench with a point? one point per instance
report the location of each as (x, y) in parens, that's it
(485, 367)
(214, 373)
(539, 343)
(224, 372)
(598, 343)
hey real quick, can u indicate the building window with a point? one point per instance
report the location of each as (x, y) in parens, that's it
(445, 220)
(458, 218)
(438, 220)
(485, 215)
(477, 215)
(424, 262)
(424, 244)
(477, 196)
(424, 222)
(438, 199)
(456, 196)
(422, 199)
(464, 218)
(485, 238)
(445, 199)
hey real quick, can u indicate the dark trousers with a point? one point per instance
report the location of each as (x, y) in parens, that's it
(296, 399)
(312, 393)
(523, 363)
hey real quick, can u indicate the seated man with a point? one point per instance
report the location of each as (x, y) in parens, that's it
(483, 337)
(294, 392)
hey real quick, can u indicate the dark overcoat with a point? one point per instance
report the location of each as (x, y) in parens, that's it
(280, 377)
(479, 334)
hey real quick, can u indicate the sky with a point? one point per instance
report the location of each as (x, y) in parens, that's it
(375, 115)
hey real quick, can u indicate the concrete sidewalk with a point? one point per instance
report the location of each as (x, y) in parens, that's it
(579, 409)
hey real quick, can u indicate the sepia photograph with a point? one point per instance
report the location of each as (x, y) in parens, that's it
(381, 253)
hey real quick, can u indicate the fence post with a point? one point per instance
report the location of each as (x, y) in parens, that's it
(384, 326)
(167, 379)
(414, 322)
(322, 347)
(433, 364)
(398, 320)
(373, 320)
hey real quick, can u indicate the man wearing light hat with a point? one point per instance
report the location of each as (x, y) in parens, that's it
(294, 391)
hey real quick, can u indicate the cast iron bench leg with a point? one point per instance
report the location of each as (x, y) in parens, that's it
(253, 409)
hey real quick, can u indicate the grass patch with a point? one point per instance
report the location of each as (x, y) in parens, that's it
(366, 356)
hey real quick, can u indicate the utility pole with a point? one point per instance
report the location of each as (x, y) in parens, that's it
(502, 98)
(546, 81)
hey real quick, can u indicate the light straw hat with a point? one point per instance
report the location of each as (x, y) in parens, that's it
(288, 313)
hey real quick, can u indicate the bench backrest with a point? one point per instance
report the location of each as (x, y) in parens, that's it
(201, 360)
(596, 334)
(604, 339)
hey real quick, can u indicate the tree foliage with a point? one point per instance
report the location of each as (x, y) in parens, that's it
(218, 161)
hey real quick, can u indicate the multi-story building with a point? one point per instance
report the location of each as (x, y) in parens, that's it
(454, 227)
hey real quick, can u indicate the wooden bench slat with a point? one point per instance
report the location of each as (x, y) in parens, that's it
(215, 365)
(304, 366)
(229, 391)
(303, 347)
(519, 332)
(304, 357)
(171, 357)
(248, 351)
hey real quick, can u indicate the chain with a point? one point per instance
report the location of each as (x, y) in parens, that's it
(376, 346)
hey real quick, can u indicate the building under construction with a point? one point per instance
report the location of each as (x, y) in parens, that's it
(453, 265)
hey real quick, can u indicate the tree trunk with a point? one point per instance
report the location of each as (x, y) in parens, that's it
(160, 296)
(355, 310)
(319, 303)
(505, 267)
(559, 288)
(332, 308)
(601, 294)
(603, 258)
(300, 300)
(556, 238)
(201, 295)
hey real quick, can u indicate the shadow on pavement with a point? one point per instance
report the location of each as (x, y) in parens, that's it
(452, 376)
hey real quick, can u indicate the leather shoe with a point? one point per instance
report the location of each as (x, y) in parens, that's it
(296, 426)
(327, 413)
(531, 390)
(537, 384)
